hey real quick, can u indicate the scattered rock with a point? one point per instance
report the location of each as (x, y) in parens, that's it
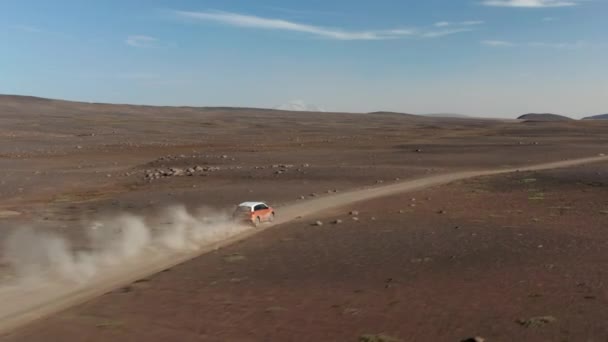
(234, 258)
(355, 218)
(9, 213)
(351, 311)
(536, 322)
(474, 339)
(418, 150)
(354, 213)
(378, 338)
(420, 260)
(442, 212)
(401, 211)
(337, 221)
(275, 309)
(318, 223)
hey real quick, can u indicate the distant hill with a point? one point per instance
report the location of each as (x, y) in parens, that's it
(397, 115)
(544, 117)
(299, 106)
(448, 115)
(597, 117)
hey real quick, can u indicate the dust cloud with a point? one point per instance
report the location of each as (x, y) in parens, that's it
(36, 256)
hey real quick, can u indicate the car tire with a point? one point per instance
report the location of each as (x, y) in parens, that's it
(257, 221)
(271, 217)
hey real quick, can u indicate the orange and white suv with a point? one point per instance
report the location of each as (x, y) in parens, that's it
(254, 212)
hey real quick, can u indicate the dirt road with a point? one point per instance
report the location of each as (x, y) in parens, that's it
(21, 305)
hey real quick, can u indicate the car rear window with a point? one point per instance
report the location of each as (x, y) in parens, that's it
(243, 209)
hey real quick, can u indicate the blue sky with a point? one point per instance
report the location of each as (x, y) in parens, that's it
(481, 57)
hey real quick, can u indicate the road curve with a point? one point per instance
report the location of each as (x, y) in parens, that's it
(21, 306)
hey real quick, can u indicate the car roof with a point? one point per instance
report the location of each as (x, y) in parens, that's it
(251, 204)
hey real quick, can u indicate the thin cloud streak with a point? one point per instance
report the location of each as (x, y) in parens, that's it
(442, 33)
(141, 41)
(462, 23)
(531, 3)
(497, 43)
(559, 46)
(255, 22)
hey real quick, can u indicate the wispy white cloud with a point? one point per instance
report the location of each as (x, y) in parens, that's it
(27, 28)
(250, 21)
(531, 3)
(141, 41)
(36, 30)
(561, 46)
(441, 33)
(565, 46)
(462, 23)
(442, 24)
(472, 22)
(497, 43)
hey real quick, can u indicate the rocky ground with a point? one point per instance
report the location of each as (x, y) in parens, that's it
(517, 257)
(459, 261)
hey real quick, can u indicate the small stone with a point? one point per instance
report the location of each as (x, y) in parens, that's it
(275, 309)
(536, 322)
(355, 218)
(442, 212)
(354, 213)
(234, 258)
(401, 211)
(418, 150)
(378, 338)
(474, 339)
(337, 221)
